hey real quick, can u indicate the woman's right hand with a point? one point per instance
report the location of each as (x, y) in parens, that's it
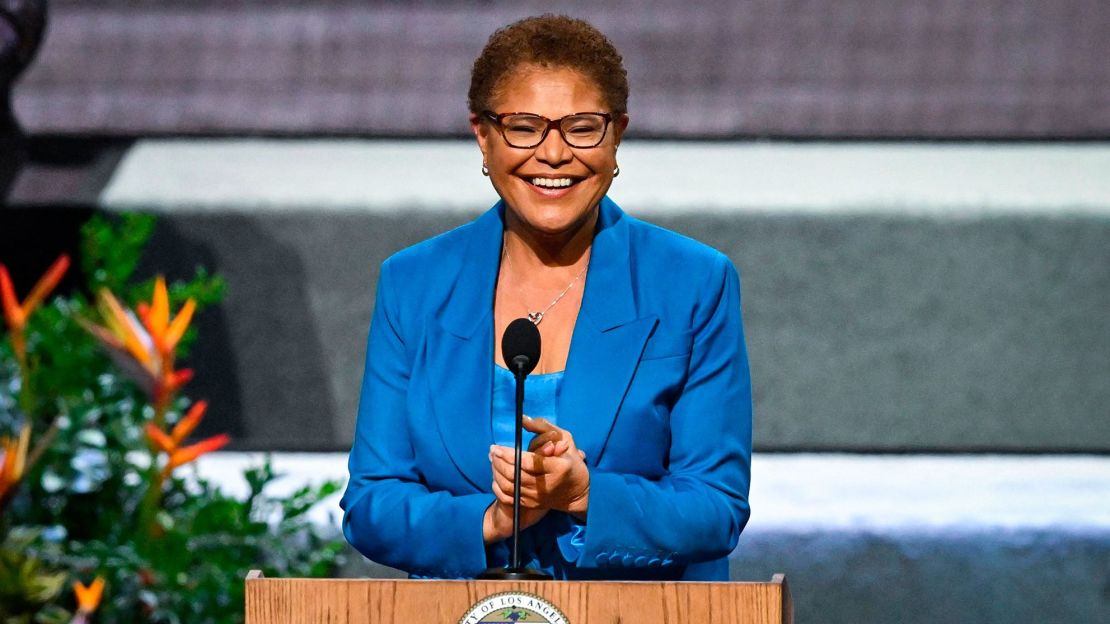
(497, 524)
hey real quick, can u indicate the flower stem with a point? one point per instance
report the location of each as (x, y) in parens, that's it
(160, 405)
(149, 506)
(44, 443)
(26, 394)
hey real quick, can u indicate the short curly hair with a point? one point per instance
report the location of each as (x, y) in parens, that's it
(549, 41)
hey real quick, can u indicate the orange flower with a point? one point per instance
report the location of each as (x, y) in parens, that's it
(88, 598)
(15, 313)
(185, 455)
(160, 439)
(189, 421)
(14, 460)
(156, 318)
(145, 350)
(122, 331)
(171, 443)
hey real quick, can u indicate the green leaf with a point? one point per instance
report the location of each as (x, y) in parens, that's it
(112, 247)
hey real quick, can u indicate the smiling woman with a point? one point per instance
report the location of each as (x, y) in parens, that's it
(640, 464)
(552, 180)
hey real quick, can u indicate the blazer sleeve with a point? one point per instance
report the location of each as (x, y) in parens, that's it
(390, 516)
(697, 511)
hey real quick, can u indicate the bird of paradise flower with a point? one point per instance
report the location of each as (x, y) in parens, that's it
(18, 459)
(144, 345)
(176, 455)
(16, 313)
(13, 462)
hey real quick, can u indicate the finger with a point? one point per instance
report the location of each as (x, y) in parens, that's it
(582, 454)
(548, 450)
(562, 434)
(505, 482)
(506, 470)
(551, 449)
(504, 485)
(502, 467)
(503, 489)
(502, 497)
(529, 486)
(538, 425)
(504, 453)
(544, 438)
(530, 463)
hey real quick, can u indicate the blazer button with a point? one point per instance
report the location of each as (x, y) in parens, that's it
(641, 561)
(602, 559)
(655, 562)
(628, 560)
(614, 559)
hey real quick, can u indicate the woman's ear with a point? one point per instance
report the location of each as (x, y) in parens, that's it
(481, 133)
(620, 124)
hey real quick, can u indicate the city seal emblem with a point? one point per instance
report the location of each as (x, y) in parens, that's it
(513, 608)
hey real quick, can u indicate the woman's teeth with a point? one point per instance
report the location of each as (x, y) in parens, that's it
(552, 183)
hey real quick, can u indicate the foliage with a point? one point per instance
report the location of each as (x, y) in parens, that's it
(98, 497)
(27, 587)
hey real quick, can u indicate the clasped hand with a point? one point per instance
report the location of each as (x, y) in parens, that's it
(553, 476)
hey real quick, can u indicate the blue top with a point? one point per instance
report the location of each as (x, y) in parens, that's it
(541, 393)
(541, 396)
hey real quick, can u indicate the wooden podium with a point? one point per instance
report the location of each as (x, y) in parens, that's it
(351, 601)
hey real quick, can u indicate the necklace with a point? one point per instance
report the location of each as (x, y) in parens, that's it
(537, 317)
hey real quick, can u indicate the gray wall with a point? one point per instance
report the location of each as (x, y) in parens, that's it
(722, 68)
(873, 331)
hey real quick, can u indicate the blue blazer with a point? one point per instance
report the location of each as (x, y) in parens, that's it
(657, 393)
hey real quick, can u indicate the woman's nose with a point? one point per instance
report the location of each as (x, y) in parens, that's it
(554, 151)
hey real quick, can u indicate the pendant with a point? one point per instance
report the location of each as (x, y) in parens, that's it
(535, 317)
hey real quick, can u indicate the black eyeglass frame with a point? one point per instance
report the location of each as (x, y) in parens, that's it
(551, 123)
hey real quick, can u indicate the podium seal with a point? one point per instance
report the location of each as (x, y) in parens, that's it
(512, 608)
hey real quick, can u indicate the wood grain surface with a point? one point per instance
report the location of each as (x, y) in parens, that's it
(351, 601)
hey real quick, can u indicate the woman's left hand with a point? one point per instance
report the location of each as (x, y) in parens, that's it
(553, 472)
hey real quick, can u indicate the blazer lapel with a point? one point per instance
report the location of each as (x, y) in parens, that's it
(608, 339)
(460, 353)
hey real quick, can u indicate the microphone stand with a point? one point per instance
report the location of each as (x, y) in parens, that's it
(514, 572)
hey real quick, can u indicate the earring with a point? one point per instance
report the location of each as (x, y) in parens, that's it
(617, 171)
(485, 170)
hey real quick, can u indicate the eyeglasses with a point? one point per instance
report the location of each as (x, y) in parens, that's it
(525, 130)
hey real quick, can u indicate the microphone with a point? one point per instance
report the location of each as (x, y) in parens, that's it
(520, 346)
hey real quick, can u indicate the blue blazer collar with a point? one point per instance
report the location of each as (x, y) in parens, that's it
(608, 301)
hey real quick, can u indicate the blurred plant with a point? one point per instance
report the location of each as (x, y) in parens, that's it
(27, 586)
(89, 479)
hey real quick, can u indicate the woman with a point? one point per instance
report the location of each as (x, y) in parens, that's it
(641, 465)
